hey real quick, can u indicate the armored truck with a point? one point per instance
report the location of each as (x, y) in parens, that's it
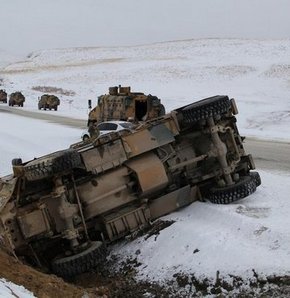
(16, 99)
(62, 210)
(3, 96)
(48, 101)
(122, 104)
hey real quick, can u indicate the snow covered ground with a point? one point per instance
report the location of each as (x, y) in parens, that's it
(11, 290)
(234, 239)
(26, 138)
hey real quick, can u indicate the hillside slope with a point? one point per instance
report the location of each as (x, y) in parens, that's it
(255, 72)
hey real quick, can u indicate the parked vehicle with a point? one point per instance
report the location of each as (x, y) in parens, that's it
(60, 211)
(108, 127)
(16, 99)
(47, 101)
(122, 105)
(3, 96)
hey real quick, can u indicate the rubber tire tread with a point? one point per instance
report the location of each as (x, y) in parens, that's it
(49, 165)
(256, 177)
(205, 109)
(232, 193)
(82, 262)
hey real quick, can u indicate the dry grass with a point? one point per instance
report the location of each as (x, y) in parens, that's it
(55, 90)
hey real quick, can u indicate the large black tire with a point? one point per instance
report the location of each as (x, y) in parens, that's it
(86, 137)
(206, 108)
(52, 164)
(256, 177)
(82, 262)
(232, 193)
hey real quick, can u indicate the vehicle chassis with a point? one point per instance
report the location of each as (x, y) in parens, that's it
(61, 210)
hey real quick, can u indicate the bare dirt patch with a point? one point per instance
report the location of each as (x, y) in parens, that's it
(125, 284)
(55, 90)
(278, 71)
(41, 284)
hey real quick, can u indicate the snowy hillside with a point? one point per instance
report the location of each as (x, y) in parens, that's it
(6, 58)
(256, 73)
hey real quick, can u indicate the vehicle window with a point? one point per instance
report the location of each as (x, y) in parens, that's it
(107, 126)
(127, 125)
(112, 126)
(102, 126)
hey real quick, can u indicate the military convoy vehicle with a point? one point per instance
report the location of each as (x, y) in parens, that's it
(16, 99)
(122, 104)
(60, 211)
(47, 101)
(3, 96)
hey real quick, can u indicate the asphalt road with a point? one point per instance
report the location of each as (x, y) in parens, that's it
(63, 120)
(267, 154)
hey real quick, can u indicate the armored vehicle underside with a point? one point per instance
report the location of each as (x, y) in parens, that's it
(61, 210)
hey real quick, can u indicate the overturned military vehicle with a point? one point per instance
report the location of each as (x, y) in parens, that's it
(60, 211)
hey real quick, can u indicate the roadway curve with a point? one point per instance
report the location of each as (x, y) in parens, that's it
(267, 154)
(63, 120)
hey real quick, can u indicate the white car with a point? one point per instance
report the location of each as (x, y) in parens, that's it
(110, 126)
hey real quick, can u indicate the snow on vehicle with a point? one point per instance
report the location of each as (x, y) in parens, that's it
(61, 210)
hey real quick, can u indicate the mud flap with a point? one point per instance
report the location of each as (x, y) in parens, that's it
(251, 162)
(173, 201)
